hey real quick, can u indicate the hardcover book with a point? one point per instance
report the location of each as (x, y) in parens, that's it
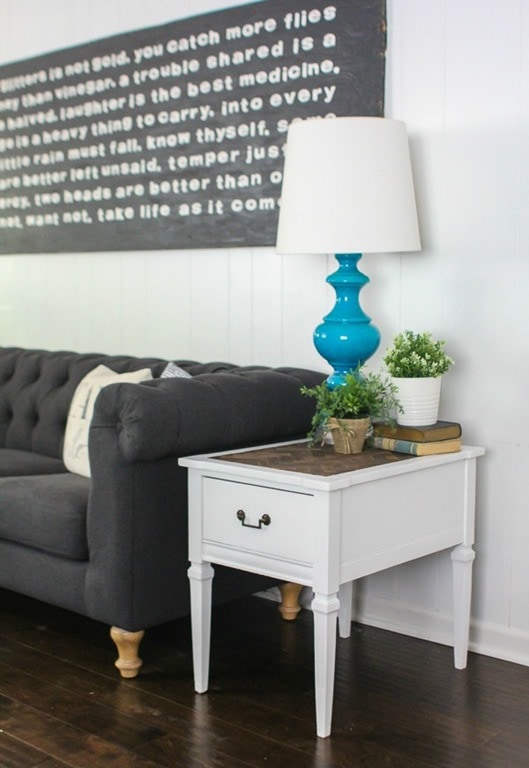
(441, 430)
(415, 448)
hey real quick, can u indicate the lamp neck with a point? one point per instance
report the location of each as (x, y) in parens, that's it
(346, 338)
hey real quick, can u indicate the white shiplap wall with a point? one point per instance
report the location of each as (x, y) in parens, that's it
(458, 74)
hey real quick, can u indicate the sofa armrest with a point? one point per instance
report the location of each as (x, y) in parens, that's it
(217, 411)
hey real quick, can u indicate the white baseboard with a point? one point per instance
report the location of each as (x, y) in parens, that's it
(488, 639)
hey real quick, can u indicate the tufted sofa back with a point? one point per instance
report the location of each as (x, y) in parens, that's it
(36, 388)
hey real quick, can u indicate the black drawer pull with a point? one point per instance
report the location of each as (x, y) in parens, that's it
(241, 515)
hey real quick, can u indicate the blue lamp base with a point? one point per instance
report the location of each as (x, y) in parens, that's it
(346, 338)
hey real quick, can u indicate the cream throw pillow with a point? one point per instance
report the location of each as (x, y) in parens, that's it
(75, 453)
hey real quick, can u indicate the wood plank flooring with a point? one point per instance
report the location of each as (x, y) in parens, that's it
(399, 703)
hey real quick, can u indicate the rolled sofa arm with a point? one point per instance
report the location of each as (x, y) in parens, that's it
(214, 411)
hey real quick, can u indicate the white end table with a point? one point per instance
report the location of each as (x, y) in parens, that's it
(321, 519)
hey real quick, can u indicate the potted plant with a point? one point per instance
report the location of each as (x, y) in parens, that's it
(346, 411)
(416, 362)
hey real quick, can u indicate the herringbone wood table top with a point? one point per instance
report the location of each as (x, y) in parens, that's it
(324, 461)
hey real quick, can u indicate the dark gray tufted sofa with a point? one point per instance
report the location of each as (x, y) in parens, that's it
(114, 547)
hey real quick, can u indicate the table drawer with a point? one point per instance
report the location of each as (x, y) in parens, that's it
(289, 534)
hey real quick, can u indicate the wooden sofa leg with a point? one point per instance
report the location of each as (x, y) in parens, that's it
(128, 645)
(290, 606)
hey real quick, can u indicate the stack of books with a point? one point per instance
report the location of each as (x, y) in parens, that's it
(441, 437)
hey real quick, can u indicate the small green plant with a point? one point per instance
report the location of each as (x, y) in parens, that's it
(361, 395)
(416, 355)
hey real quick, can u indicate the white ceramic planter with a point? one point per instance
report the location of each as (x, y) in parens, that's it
(419, 399)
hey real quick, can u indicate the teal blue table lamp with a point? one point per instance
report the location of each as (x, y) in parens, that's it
(347, 189)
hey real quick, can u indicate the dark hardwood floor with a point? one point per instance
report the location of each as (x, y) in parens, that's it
(399, 702)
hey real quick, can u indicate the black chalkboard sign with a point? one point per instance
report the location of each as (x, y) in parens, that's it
(173, 136)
